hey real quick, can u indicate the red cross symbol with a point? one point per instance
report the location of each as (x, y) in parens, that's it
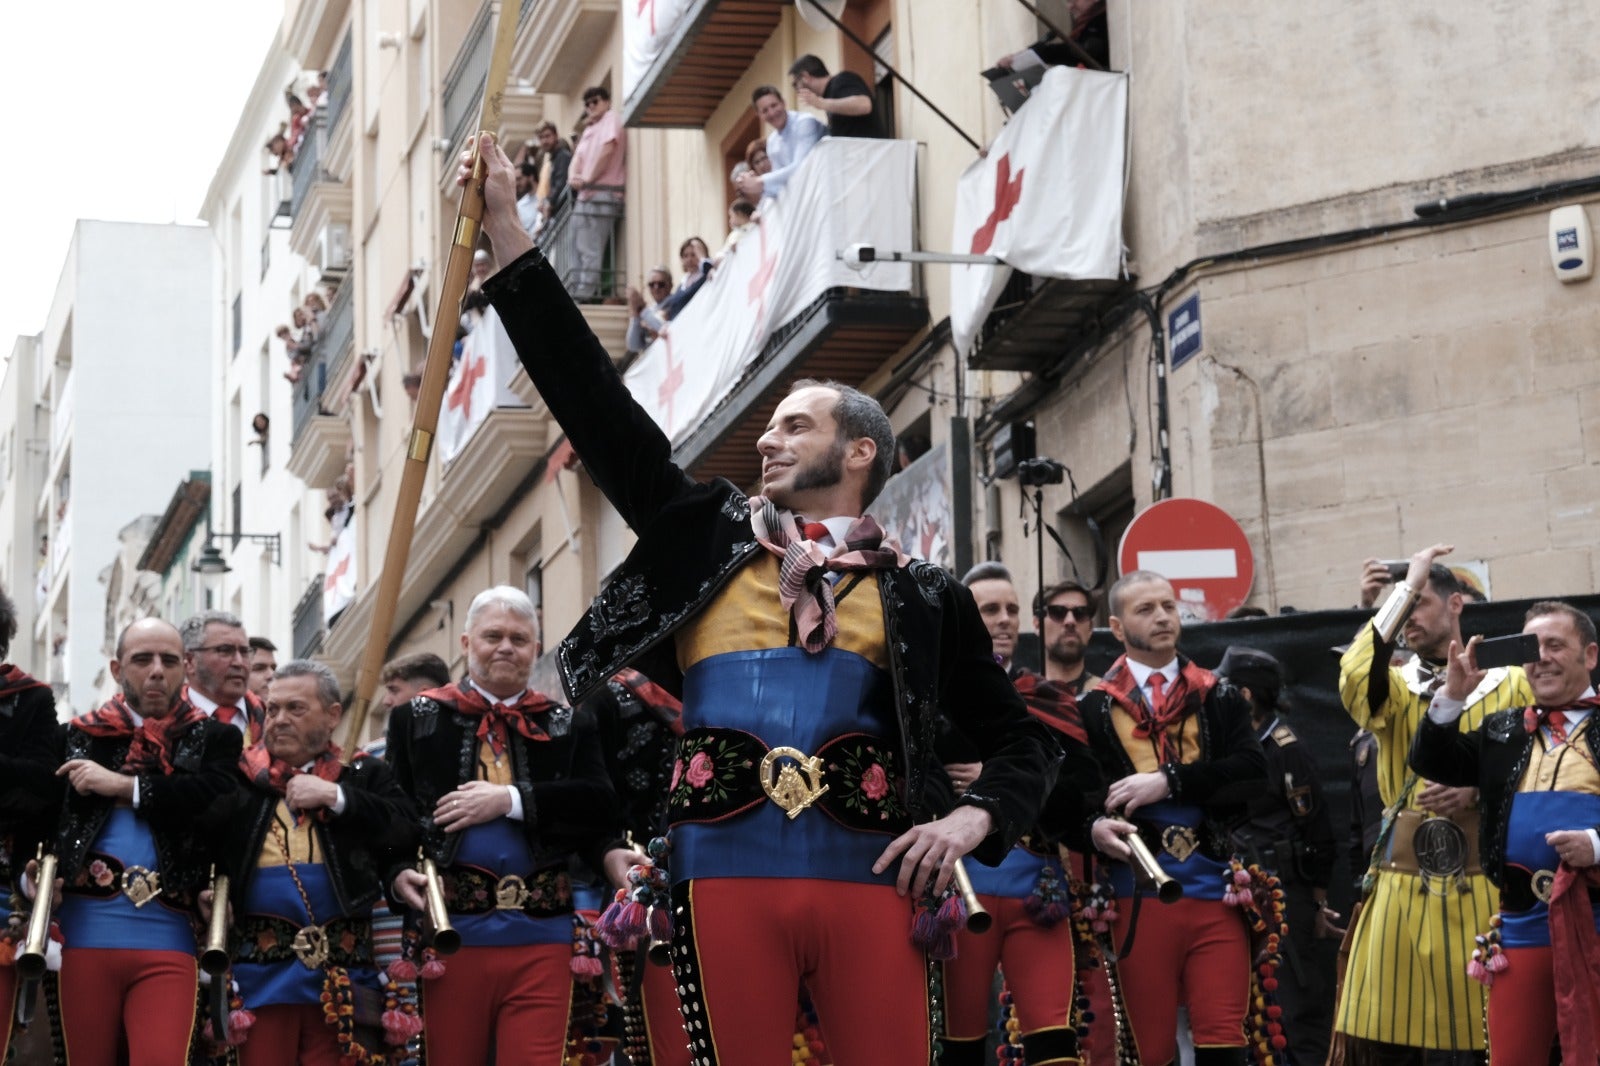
(670, 384)
(762, 278)
(338, 572)
(651, 4)
(461, 395)
(1007, 191)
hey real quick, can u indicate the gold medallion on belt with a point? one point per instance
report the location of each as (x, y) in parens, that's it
(140, 885)
(310, 946)
(796, 784)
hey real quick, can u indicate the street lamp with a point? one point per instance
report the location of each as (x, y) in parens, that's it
(210, 564)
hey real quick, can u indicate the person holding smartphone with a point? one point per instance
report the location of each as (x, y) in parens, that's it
(1406, 990)
(1538, 768)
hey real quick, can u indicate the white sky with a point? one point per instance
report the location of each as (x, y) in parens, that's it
(118, 110)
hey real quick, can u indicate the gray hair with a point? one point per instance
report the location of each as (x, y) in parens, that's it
(507, 596)
(989, 571)
(1126, 581)
(327, 684)
(192, 630)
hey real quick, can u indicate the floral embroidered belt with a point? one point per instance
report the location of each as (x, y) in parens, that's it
(104, 876)
(263, 939)
(472, 890)
(854, 778)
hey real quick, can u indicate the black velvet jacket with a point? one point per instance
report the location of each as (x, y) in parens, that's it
(377, 831)
(205, 757)
(568, 806)
(30, 751)
(694, 537)
(1231, 770)
(1490, 758)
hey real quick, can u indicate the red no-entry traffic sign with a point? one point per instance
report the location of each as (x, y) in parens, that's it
(1199, 548)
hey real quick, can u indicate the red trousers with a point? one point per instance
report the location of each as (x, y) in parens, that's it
(516, 999)
(1193, 952)
(139, 1000)
(742, 946)
(669, 1044)
(295, 1033)
(1038, 966)
(1522, 1009)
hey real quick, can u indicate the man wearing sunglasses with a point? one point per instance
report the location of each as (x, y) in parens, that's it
(1065, 624)
(216, 669)
(644, 320)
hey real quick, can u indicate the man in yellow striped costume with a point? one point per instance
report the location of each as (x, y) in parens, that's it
(1406, 990)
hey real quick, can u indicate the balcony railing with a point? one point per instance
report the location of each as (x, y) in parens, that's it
(583, 242)
(339, 82)
(463, 86)
(307, 167)
(338, 325)
(308, 630)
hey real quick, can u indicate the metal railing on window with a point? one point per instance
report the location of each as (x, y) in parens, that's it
(307, 165)
(333, 340)
(583, 241)
(339, 83)
(308, 621)
(463, 86)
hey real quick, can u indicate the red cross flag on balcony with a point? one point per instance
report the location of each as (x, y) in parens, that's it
(479, 382)
(1047, 199)
(647, 28)
(339, 584)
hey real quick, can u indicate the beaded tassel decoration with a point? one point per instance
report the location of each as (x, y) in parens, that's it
(586, 1044)
(1086, 954)
(1050, 901)
(1008, 1052)
(808, 1045)
(1488, 958)
(588, 961)
(1258, 894)
(642, 908)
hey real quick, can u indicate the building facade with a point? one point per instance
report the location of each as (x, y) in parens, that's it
(1365, 380)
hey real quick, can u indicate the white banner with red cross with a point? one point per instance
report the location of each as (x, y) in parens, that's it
(1047, 198)
(847, 191)
(339, 582)
(479, 382)
(647, 29)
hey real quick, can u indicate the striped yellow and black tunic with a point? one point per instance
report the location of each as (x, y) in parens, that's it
(1406, 982)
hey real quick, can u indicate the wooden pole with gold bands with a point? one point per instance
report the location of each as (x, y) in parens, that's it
(435, 375)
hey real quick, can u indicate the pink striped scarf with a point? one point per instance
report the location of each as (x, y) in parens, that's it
(803, 586)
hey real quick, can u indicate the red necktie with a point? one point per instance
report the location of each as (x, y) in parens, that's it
(1158, 694)
(1557, 721)
(227, 715)
(814, 531)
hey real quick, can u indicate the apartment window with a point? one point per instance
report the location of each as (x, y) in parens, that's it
(238, 321)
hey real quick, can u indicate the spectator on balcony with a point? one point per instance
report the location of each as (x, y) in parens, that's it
(557, 160)
(695, 258)
(1089, 33)
(644, 320)
(845, 97)
(278, 146)
(474, 301)
(741, 220)
(299, 117)
(296, 347)
(527, 179)
(793, 136)
(597, 174)
(756, 158)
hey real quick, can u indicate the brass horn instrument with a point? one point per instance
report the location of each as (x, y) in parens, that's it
(214, 957)
(438, 933)
(659, 952)
(978, 919)
(1148, 871)
(31, 959)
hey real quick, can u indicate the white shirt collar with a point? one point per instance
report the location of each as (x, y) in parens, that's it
(507, 701)
(1578, 714)
(1141, 672)
(206, 704)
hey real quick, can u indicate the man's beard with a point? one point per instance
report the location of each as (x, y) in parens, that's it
(825, 473)
(135, 703)
(1060, 651)
(1136, 641)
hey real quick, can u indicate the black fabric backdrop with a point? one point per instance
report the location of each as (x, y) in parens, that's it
(1306, 644)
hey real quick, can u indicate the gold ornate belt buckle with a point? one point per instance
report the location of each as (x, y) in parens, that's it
(1441, 847)
(510, 893)
(1179, 841)
(1544, 884)
(310, 946)
(797, 784)
(140, 885)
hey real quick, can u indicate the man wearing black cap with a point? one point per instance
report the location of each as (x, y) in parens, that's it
(1291, 832)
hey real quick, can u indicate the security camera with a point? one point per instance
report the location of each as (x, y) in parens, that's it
(857, 256)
